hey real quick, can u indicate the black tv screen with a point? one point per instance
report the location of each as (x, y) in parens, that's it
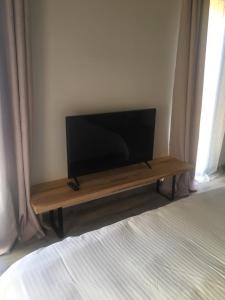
(105, 141)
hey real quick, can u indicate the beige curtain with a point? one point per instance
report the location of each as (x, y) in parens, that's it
(16, 125)
(188, 85)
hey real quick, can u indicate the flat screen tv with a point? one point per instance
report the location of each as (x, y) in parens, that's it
(110, 140)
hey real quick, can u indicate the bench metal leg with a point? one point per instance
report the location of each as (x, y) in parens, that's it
(57, 226)
(157, 186)
(173, 190)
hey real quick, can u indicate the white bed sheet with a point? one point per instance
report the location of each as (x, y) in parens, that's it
(174, 252)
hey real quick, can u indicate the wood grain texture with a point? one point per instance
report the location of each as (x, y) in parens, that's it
(52, 195)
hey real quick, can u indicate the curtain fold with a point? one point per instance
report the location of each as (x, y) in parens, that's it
(16, 107)
(187, 91)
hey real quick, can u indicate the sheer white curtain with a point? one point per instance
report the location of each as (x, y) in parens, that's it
(8, 228)
(212, 124)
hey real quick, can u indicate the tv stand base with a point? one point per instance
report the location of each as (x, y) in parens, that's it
(74, 185)
(148, 164)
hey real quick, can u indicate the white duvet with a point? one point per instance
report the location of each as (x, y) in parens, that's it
(174, 252)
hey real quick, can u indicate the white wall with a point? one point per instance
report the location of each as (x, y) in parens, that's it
(94, 56)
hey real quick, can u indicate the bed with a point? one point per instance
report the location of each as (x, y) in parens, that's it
(174, 252)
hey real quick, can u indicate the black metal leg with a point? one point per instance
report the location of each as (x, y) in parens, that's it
(157, 186)
(173, 187)
(58, 228)
(172, 197)
(60, 221)
(51, 218)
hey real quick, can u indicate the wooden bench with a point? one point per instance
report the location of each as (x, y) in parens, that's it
(56, 195)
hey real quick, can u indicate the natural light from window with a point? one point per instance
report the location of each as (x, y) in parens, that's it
(214, 52)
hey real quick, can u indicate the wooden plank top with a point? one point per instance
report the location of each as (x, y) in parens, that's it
(55, 194)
